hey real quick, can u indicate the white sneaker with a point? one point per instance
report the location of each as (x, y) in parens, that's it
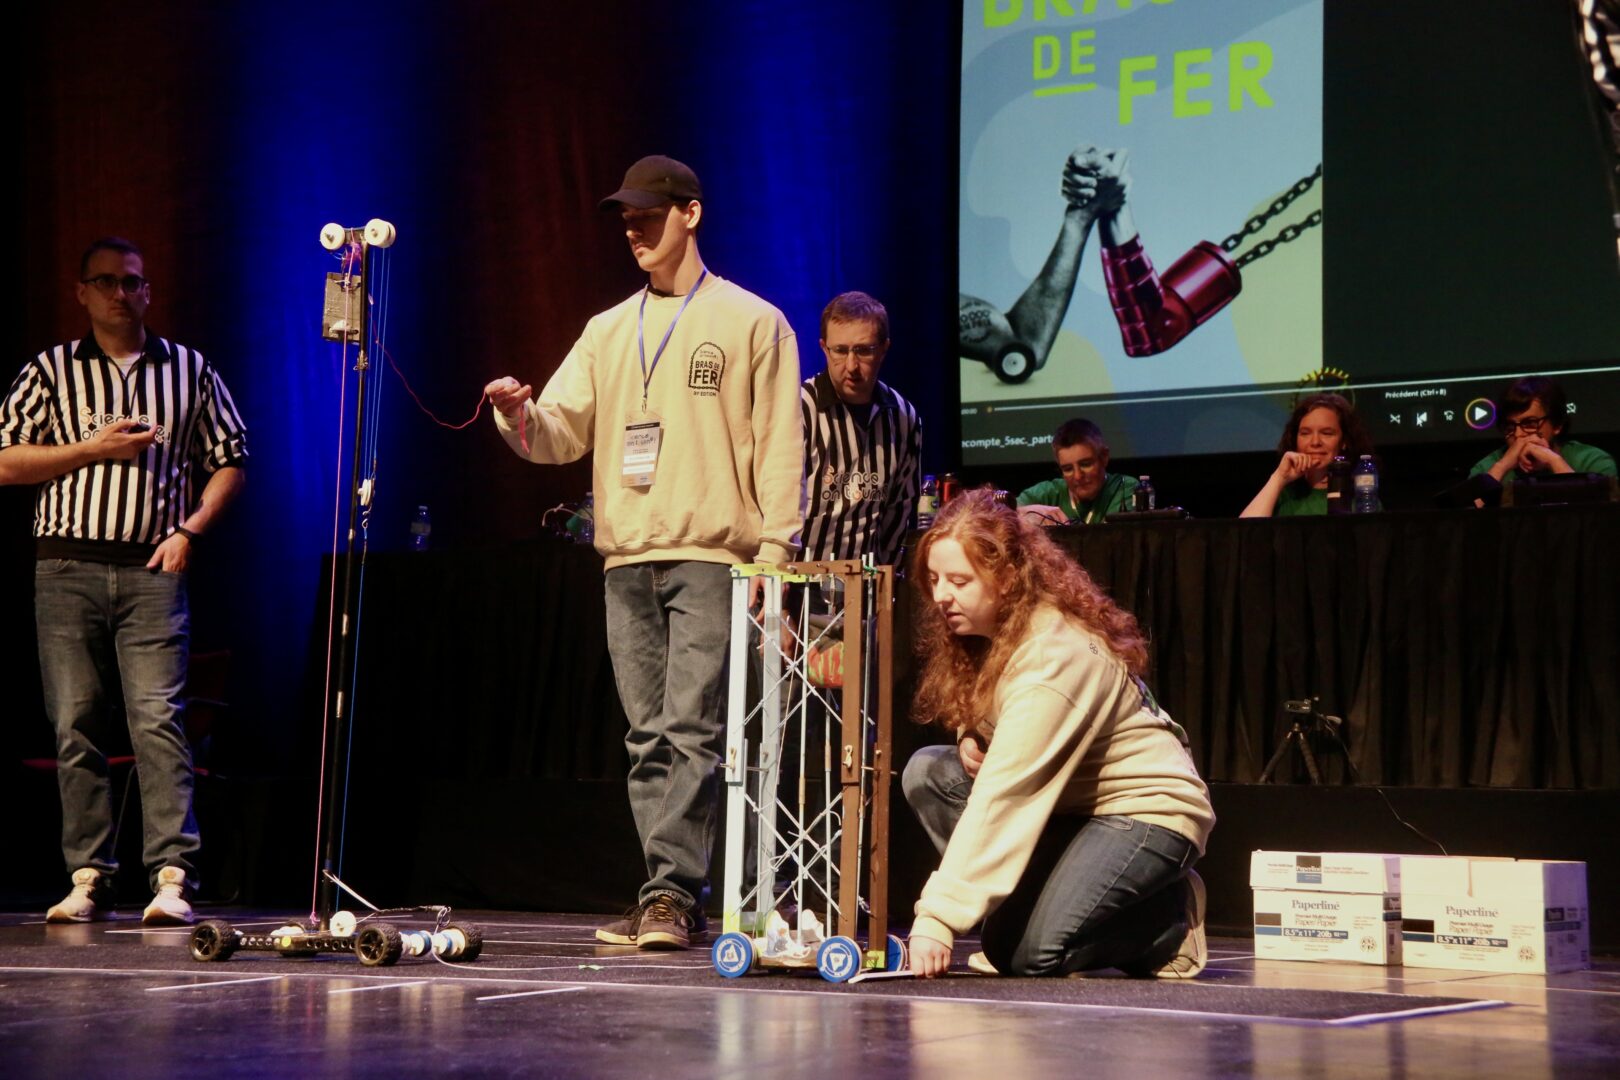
(981, 963)
(169, 907)
(1194, 952)
(80, 905)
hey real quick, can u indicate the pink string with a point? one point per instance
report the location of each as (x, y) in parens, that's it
(427, 411)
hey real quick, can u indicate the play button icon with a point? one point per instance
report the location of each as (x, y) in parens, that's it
(1480, 414)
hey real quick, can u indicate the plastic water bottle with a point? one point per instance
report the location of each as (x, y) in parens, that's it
(587, 519)
(1366, 485)
(927, 502)
(421, 529)
(1143, 497)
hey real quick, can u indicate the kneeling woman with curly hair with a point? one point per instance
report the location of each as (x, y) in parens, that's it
(1069, 814)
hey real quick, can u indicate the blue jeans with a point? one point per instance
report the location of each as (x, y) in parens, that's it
(98, 622)
(669, 627)
(1099, 892)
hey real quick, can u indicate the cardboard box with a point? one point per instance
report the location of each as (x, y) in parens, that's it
(1297, 924)
(1328, 871)
(1521, 915)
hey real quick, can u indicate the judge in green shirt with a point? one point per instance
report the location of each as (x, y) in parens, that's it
(1321, 427)
(1534, 418)
(1086, 493)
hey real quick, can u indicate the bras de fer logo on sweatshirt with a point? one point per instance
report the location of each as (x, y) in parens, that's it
(704, 369)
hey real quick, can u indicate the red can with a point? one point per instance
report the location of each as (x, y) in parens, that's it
(949, 488)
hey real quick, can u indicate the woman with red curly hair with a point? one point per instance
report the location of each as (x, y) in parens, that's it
(1069, 814)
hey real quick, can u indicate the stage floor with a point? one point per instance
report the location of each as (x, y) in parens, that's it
(114, 999)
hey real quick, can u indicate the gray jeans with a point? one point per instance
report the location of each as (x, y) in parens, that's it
(97, 623)
(669, 627)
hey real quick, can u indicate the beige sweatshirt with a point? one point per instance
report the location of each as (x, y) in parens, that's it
(729, 482)
(1069, 734)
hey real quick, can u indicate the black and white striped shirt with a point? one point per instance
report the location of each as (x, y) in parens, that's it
(861, 467)
(70, 392)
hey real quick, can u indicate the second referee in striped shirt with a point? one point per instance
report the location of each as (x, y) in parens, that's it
(862, 441)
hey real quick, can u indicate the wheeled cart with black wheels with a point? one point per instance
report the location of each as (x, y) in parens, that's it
(373, 942)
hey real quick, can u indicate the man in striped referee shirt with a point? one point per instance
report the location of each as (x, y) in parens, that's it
(120, 429)
(862, 455)
(862, 441)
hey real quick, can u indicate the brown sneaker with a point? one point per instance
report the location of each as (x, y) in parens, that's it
(1194, 952)
(664, 925)
(621, 931)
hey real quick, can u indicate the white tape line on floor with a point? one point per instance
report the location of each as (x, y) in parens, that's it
(383, 986)
(530, 993)
(213, 983)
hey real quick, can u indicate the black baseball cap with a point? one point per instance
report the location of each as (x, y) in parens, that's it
(653, 180)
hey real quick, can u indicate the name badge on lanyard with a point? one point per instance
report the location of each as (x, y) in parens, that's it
(641, 442)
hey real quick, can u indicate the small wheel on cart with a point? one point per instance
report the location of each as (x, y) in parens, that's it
(472, 943)
(838, 959)
(733, 955)
(213, 939)
(378, 944)
(897, 956)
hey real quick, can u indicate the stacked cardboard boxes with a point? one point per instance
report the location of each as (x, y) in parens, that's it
(1342, 906)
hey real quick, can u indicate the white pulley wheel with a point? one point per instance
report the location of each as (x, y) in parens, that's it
(343, 923)
(379, 233)
(332, 236)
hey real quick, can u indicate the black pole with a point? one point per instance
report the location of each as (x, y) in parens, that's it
(342, 638)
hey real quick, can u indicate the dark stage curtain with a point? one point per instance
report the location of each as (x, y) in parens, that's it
(485, 665)
(1462, 649)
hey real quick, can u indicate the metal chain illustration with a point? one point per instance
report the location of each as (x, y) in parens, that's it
(1259, 221)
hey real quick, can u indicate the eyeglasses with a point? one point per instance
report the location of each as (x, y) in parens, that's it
(110, 283)
(1527, 425)
(864, 352)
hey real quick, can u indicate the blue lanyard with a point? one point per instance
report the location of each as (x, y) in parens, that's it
(641, 334)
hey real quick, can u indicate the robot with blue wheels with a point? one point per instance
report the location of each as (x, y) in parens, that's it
(834, 682)
(837, 959)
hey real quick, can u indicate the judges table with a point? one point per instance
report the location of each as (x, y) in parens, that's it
(1462, 648)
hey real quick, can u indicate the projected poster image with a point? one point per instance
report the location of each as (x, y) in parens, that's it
(1141, 221)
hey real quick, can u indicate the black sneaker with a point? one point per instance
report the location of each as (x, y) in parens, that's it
(665, 924)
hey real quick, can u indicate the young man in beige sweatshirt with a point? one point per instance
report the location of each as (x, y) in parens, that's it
(688, 394)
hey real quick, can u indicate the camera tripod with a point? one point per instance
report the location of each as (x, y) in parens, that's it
(1308, 719)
